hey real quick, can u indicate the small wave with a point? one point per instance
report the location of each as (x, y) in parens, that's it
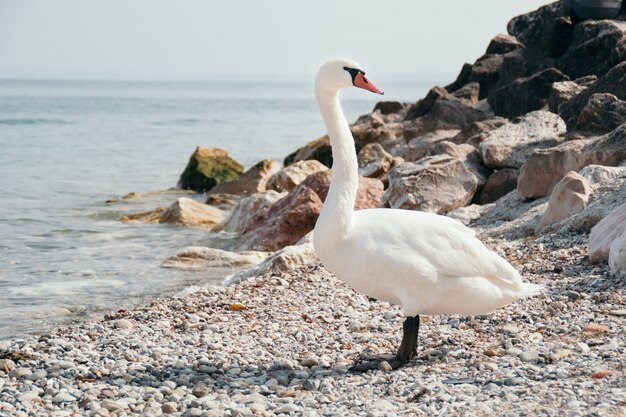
(178, 122)
(32, 121)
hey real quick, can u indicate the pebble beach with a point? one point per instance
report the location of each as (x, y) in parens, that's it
(281, 344)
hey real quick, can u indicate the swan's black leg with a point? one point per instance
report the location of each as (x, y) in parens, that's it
(407, 350)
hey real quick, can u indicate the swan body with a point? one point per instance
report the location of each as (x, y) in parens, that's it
(427, 263)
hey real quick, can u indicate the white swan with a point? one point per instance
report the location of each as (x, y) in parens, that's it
(427, 263)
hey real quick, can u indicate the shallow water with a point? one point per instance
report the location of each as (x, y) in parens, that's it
(68, 146)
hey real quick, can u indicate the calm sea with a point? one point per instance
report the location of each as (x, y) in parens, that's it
(68, 146)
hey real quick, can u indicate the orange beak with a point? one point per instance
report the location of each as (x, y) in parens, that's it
(362, 82)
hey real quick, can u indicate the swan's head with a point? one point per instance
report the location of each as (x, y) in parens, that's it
(343, 73)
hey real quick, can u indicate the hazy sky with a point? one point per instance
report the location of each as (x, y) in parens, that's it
(198, 39)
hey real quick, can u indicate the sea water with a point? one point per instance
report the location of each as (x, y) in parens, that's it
(66, 147)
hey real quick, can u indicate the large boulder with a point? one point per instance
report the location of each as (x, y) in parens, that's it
(596, 47)
(525, 94)
(545, 167)
(510, 145)
(617, 254)
(436, 184)
(290, 176)
(476, 133)
(247, 209)
(252, 181)
(374, 161)
(605, 232)
(613, 82)
(419, 146)
(602, 113)
(188, 212)
(561, 92)
(485, 72)
(468, 154)
(208, 167)
(569, 196)
(293, 216)
(499, 184)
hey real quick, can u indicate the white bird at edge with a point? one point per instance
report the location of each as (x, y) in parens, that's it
(427, 263)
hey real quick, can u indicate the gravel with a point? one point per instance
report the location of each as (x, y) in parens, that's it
(288, 350)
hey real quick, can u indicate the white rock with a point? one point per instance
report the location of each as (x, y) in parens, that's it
(617, 253)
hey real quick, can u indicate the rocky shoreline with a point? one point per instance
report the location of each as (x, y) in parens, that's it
(527, 146)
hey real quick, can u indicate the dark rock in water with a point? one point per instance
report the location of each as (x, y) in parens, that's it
(561, 92)
(546, 167)
(525, 94)
(436, 184)
(501, 44)
(603, 113)
(597, 46)
(613, 82)
(318, 149)
(388, 107)
(208, 167)
(499, 184)
(293, 216)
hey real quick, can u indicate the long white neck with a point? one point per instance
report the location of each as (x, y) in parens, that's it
(336, 215)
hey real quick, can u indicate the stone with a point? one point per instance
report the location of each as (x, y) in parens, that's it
(6, 364)
(150, 216)
(525, 94)
(469, 93)
(446, 113)
(384, 366)
(510, 145)
(287, 259)
(596, 328)
(423, 106)
(419, 146)
(188, 212)
(569, 196)
(468, 154)
(602, 113)
(604, 234)
(530, 356)
(199, 258)
(252, 181)
(599, 174)
(208, 167)
(499, 184)
(388, 107)
(318, 149)
(477, 132)
(286, 409)
(467, 214)
(293, 216)
(613, 82)
(437, 184)
(200, 391)
(123, 324)
(374, 161)
(309, 361)
(561, 92)
(545, 167)
(111, 405)
(169, 407)
(290, 176)
(63, 397)
(617, 253)
(596, 47)
(503, 43)
(19, 373)
(248, 208)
